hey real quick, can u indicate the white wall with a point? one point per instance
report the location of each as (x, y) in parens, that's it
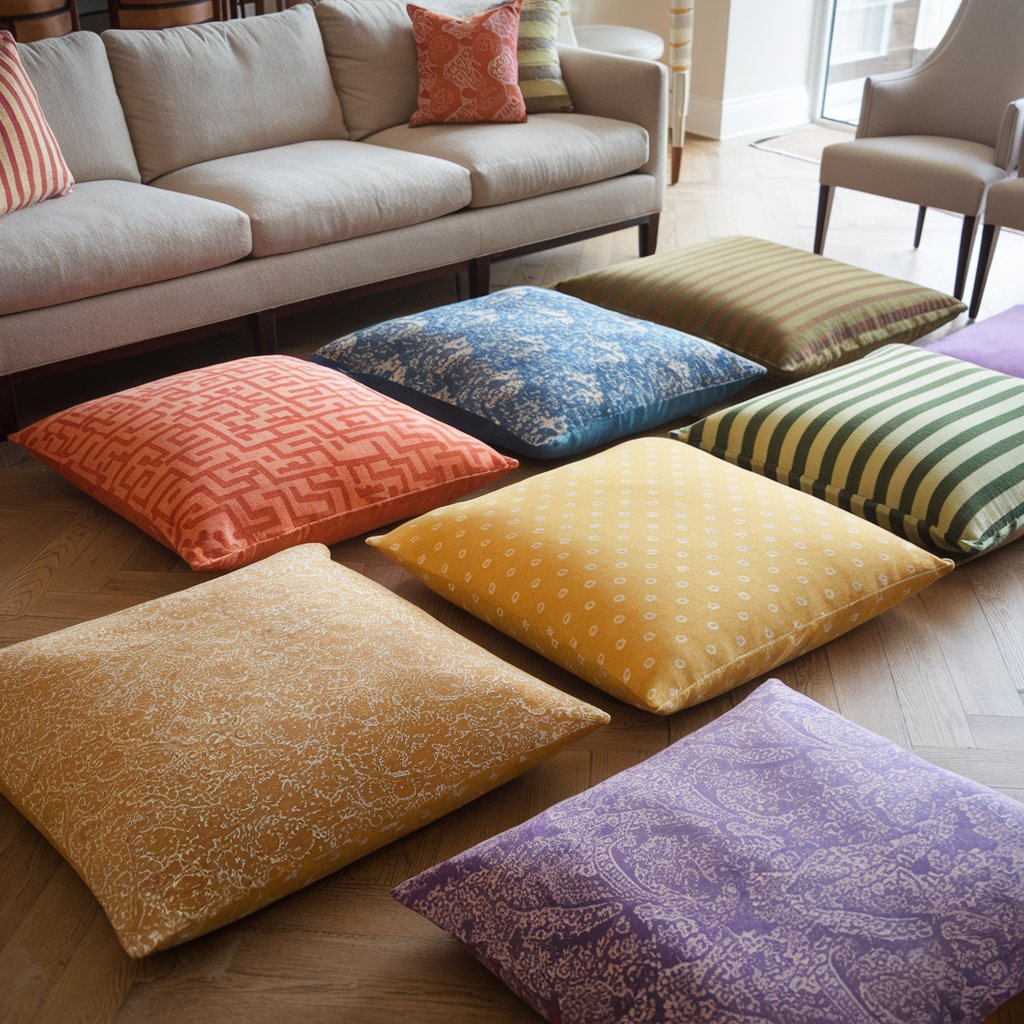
(755, 64)
(651, 15)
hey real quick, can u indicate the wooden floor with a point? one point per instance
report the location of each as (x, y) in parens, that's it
(942, 674)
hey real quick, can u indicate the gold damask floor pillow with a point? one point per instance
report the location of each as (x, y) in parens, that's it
(199, 756)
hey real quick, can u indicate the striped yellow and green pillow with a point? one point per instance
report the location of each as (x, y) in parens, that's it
(791, 311)
(540, 73)
(929, 447)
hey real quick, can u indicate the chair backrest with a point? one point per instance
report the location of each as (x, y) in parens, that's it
(29, 20)
(162, 14)
(962, 88)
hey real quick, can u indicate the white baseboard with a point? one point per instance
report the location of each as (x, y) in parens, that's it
(747, 115)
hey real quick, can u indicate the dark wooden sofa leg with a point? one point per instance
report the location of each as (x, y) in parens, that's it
(8, 408)
(964, 259)
(989, 237)
(479, 277)
(825, 195)
(649, 235)
(264, 332)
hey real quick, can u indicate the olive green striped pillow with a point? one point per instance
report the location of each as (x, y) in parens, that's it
(791, 311)
(929, 447)
(540, 73)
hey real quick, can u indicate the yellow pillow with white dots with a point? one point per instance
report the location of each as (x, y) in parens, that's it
(659, 573)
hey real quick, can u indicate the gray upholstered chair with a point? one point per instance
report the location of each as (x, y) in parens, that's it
(941, 133)
(1004, 209)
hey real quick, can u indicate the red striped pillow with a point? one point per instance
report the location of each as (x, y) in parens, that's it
(32, 167)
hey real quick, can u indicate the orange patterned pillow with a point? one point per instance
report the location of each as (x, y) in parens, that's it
(468, 70)
(230, 463)
(32, 167)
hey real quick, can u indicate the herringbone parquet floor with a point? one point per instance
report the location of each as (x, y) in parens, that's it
(942, 674)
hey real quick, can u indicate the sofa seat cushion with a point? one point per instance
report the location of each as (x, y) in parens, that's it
(312, 193)
(547, 153)
(109, 235)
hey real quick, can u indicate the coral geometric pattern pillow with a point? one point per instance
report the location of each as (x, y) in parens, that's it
(924, 445)
(779, 866)
(230, 463)
(658, 573)
(196, 757)
(32, 167)
(792, 311)
(538, 373)
(468, 70)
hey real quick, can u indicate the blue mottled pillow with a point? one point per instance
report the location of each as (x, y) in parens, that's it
(538, 373)
(779, 866)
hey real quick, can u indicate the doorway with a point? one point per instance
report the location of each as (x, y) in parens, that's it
(872, 37)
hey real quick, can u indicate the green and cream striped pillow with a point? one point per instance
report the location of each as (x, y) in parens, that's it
(929, 447)
(791, 311)
(540, 73)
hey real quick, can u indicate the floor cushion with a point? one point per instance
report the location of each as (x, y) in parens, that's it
(49, 252)
(792, 311)
(997, 343)
(313, 193)
(547, 153)
(230, 463)
(659, 573)
(199, 756)
(779, 866)
(927, 446)
(538, 373)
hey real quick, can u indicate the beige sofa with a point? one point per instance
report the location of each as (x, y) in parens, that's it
(241, 169)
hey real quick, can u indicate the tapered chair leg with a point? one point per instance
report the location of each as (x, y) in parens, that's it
(989, 237)
(825, 194)
(677, 164)
(964, 260)
(921, 211)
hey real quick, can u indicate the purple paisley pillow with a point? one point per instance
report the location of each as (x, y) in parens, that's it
(779, 866)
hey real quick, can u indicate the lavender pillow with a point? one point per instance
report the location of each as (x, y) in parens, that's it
(779, 866)
(996, 343)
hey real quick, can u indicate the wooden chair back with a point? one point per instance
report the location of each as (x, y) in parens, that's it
(162, 14)
(29, 20)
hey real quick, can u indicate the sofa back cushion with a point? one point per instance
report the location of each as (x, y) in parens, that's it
(201, 92)
(372, 55)
(76, 93)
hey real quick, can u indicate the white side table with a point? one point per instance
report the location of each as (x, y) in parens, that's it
(629, 42)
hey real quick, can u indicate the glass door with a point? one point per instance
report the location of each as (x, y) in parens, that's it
(871, 37)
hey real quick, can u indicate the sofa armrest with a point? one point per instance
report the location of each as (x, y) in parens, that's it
(623, 88)
(1011, 133)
